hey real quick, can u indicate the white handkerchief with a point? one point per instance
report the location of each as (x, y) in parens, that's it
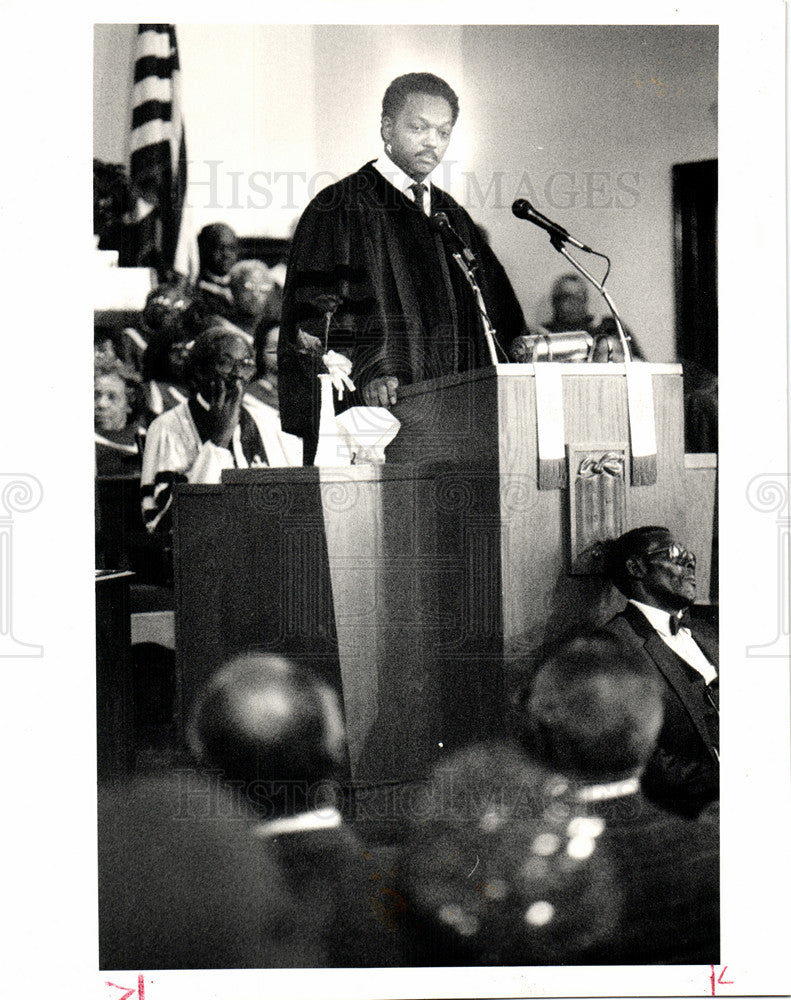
(367, 431)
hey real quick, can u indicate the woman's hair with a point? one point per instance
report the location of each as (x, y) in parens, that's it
(132, 382)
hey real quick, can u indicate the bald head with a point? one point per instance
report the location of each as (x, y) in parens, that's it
(263, 718)
(592, 715)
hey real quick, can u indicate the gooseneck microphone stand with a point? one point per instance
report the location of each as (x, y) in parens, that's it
(489, 332)
(557, 242)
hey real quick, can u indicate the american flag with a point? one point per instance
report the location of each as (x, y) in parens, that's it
(158, 161)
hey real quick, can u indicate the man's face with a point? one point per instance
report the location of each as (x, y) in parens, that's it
(222, 249)
(231, 362)
(570, 302)
(177, 360)
(668, 573)
(419, 134)
(110, 403)
(251, 290)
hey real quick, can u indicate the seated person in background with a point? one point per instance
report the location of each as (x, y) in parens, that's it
(108, 344)
(213, 430)
(256, 297)
(594, 716)
(264, 387)
(274, 731)
(262, 399)
(165, 371)
(218, 249)
(657, 575)
(162, 316)
(570, 314)
(117, 419)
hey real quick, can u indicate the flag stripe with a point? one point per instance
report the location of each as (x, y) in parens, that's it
(148, 159)
(154, 66)
(151, 111)
(158, 157)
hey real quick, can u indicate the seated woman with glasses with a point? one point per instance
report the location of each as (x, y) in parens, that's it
(211, 431)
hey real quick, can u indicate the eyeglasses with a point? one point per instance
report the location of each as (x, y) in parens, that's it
(674, 553)
(240, 367)
(162, 300)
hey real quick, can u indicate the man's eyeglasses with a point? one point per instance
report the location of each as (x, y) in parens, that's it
(240, 367)
(674, 553)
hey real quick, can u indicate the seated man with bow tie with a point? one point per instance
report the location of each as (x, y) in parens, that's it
(370, 277)
(657, 575)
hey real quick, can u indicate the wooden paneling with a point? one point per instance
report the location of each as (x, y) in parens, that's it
(427, 589)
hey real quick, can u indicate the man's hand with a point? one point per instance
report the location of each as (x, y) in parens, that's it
(520, 348)
(308, 344)
(381, 391)
(224, 408)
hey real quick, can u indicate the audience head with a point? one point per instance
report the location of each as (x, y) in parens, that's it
(165, 307)
(219, 354)
(107, 344)
(269, 723)
(570, 301)
(166, 358)
(218, 248)
(251, 287)
(648, 565)
(419, 111)
(266, 341)
(590, 714)
(116, 395)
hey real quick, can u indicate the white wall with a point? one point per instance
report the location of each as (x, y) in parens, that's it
(113, 64)
(585, 122)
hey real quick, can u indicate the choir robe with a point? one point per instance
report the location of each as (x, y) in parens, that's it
(399, 304)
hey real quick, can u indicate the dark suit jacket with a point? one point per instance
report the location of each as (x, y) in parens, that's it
(668, 873)
(185, 883)
(683, 774)
(349, 914)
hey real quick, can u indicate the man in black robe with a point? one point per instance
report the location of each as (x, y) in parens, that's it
(371, 277)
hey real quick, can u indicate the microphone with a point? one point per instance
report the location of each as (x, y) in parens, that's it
(522, 209)
(441, 223)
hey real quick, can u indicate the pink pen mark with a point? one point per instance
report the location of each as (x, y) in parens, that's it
(140, 991)
(715, 980)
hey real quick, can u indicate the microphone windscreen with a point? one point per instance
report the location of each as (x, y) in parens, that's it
(522, 208)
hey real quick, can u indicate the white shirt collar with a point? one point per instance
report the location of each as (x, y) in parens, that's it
(657, 617)
(607, 790)
(401, 181)
(318, 819)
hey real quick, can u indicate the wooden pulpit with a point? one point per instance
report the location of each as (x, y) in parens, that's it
(426, 589)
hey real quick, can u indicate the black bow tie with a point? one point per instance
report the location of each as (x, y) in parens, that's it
(676, 624)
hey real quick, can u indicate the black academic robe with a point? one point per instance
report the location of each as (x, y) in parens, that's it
(400, 304)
